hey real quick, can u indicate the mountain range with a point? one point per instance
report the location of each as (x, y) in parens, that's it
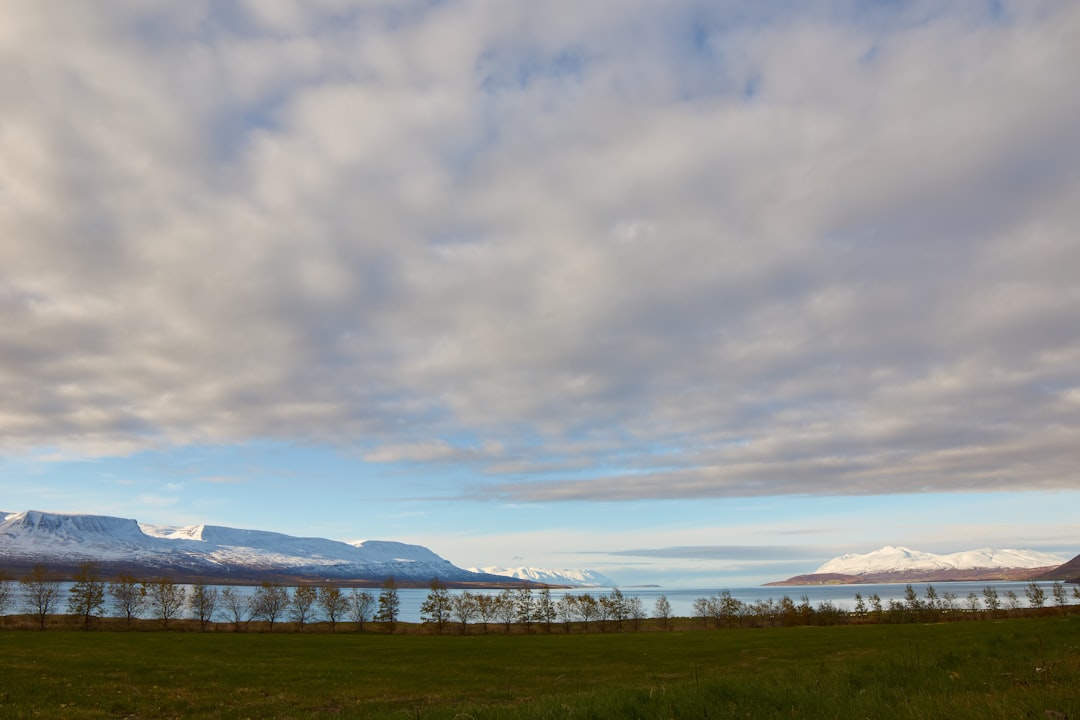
(574, 578)
(63, 542)
(900, 564)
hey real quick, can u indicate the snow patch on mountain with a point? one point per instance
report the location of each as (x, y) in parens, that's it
(573, 578)
(902, 559)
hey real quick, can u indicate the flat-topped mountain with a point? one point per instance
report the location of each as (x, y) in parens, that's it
(62, 542)
(903, 565)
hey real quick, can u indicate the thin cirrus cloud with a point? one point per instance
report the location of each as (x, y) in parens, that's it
(695, 250)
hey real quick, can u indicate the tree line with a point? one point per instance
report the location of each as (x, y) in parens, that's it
(91, 597)
(723, 610)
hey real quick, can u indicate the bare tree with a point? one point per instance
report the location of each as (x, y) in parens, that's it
(203, 603)
(523, 605)
(7, 594)
(545, 608)
(86, 596)
(41, 593)
(237, 606)
(588, 608)
(1061, 598)
(991, 600)
(361, 607)
(1035, 594)
(464, 607)
(504, 608)
(662, 611)
(567, 610)
(703, 610)
(635, 611)
(302, 606)
(166, 598)
(615, 607)
(1012, 602)
(334, 603)
(127, 597)
(486, 608)
(268, 602)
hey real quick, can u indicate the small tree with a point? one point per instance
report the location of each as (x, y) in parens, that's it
(203, 603)
(1035, 594)
(875, 607)
(991, 600)
(914, 605)
(972, 602)
(436, 608)
(268, 602)
(41, 593)
(933, 602)
(86, 596)
(1011, 601)
(949, 602)
(588, 608)
(237, 606)
(635, 610)
(302, 605)
(703, 610)
(127, 597)
(166, 598)
(605, 611)
(464, 607)
(788, 614)
(618, 607)
(487, 608)
(361, 607)
(523, 605)
(545, 608)
(662, 611)
(389, 604)
(333, 603)
(7, 594)
(860, 606)
(1061, 599)
(505, 609)
(567, 610)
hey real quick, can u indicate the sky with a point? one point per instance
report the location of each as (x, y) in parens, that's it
(689, 292)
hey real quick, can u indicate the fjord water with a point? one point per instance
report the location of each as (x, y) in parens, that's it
(682, 599)
(841, 596)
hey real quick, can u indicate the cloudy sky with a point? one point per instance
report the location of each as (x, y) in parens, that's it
(689, 292)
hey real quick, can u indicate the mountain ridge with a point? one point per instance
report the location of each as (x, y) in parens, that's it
(899, 564)
(547, 576)
(64, 541)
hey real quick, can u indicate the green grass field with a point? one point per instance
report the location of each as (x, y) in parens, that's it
(1022, 668)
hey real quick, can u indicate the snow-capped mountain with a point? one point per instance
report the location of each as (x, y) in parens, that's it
(900, 559)
(64, 541)
(573, 578)
(900, 564)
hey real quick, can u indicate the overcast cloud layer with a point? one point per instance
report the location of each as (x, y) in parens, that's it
(585, 250)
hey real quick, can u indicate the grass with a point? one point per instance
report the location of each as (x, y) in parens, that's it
(1024, 668)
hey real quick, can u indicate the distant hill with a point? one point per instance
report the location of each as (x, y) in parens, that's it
(904, 565)
(571, 578)
(213, 553)
(1069, 572)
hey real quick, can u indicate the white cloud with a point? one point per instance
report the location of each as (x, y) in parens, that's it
(683, 252)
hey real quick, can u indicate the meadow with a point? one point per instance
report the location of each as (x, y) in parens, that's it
(1014, 668)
